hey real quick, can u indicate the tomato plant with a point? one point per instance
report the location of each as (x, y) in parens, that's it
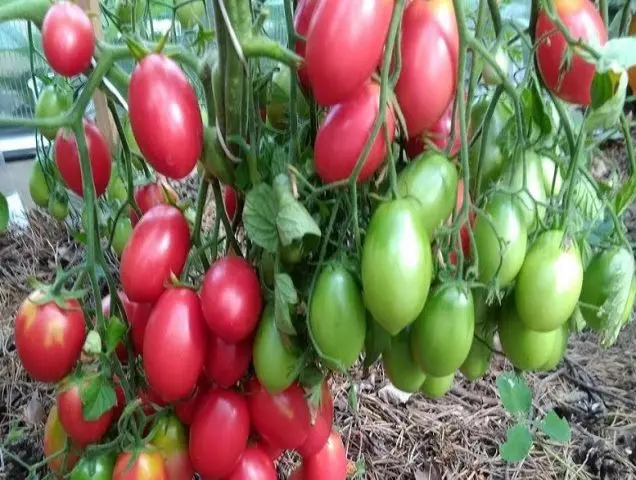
(98, 467)
(55, 440)
(51, 103)
(144, 465)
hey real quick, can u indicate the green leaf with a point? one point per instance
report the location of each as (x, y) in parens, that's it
(608, 97)
(284, 295)
(259, 217)
(115, 331)
(515, 394)
(518, 443)
(376, 341)
(352, 398)
(626, 195)
(588, 205)
(602, 89)
(311, 377)
(555, 427)
(98, 396)
(4, 213)
(535, 108)
(617, 52)
(293, 221)
(619, 283)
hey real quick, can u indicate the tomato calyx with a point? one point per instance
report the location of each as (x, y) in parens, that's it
(55, 292)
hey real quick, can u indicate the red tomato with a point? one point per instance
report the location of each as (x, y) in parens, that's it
(121, 400)
(321, 426)
(148, 466)
(254, 464)
(230, 200)
(272, 452)
(175, 344)
(49, 339)
(464, 234)
(344, 132)
(297, 474)
(69, 404)
(302, 18)
(68, 39)
(330, 463)
(137, 315)
(55, 439)
(68, 161)
(151, 195)
(429, 63)
(439, 134)
(583, 22)
(219, 433)
(170, 437)
(186, 409)
(165, 116)
(344, 42)
(231, 299)
(148, 398)
(283, 420)
(226, 363)
(157, 248)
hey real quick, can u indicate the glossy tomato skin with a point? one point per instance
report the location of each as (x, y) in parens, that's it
(49, 339)
(219, 433)
(157, 248)
(226, 363)
(69, 403)
(186, 409)
(175, 344)
(549, 283)
(67, 159)
(98, 467)
(531, 199)
(151, 195)
(584, 22)
(321, 427)
(137, 315)
(330, 463)
(283, 419)
(437, 387)
(439, 134)
(171, 438)
(148, 466)
(171, 139)
(254, 464)
(230, 200)
(400, 366)
(68, 39)
(343, 133)
(395, 282)
(38, 186)
(429, 63)
(51, 103)
(342, 54)
(272, 452)
(302, 18)
(55, 439)
(231, 299)
(337, 315)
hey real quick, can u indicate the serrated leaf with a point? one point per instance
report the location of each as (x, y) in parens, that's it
(259, 217)
(518, 443)
(515, 394)
(555, 427)
(4, 213)
(589, 206)
(619, 279)
(115, 331)
(293, 221)
(617, 52)
(610, 92)
(626, 195)
(98, 396)
(284, 295)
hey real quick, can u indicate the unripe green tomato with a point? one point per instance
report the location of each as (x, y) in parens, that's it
(490, 75)
(38, 187)
(123, 230)
(124, 10)
(51, 103)
(189, 13)
(58, 206)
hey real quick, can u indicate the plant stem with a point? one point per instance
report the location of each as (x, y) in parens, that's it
(220, 210)
(196, 233)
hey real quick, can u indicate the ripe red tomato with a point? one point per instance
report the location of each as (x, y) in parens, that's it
(330, 463)
(297, 474)
(341, 54)
(583, 22)
(148, 466)
(68, 161)
(302, 18)
(157, 248)
(69, 404)
(321, 426)
(231, 299)
(254, 464)
(439, 134)
(165, 116)
(55, 439)
(226, 363)
(175, 344)
(219, 432)
(230, 200)
(151, 195)
(344, 132)
(283, 419)
(429, 63)
(49, 339)
(68, 39)
(272, 452)
(137, 315)
(186, 409)
(464, 234)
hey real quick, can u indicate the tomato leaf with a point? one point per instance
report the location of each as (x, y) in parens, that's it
(98, 396)
(555, 427)
(518, 443)
(535, 108)
(589, 206)
(626, 195)
(608, 92)
(284, 295)
(515, 394)
(352, 397)
(259, 217)
(4, 213)
(621, 277)
(376, 341)
(293, 220)
(115, 331)
(311, 377)
(617, 52)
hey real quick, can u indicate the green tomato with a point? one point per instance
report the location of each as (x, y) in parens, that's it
(38, 188)
(432, 180)
(478, 360)
(116, 190)
(548, 169)
(189, 13)
(124, 9)
(443, 333)
(51, 103)
(123, 230)
(278, 105)
(400, 366)
(489, 74)
(275, 364)
(169, 434)
(98, 467)
(599, 281)
(532, 199)
(337, 315)
(214, 160)
(58, 206)
(396, 264)
(558, 348)
(549, 283)
(501, 240)
(437, 387)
